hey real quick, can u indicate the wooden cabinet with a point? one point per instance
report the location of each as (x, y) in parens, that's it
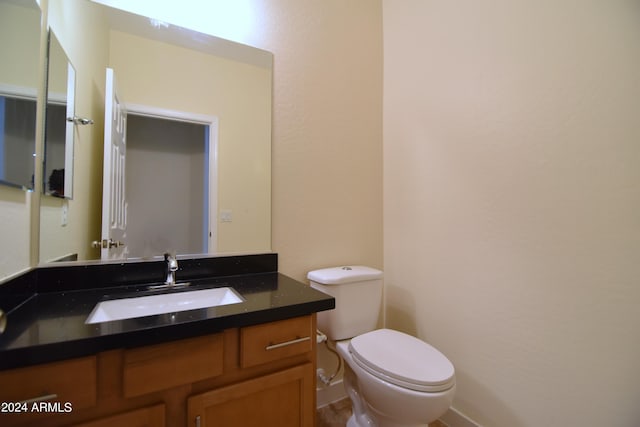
(162, 366)
(273, 341)
(281, 399)
(33, 393)
(285, 398)
(261, 375)
(152, 416)
(70, 381)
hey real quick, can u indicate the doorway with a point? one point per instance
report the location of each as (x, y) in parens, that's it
(170, 184)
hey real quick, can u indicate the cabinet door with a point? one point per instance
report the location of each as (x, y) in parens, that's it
(49, 391)
(281, 399)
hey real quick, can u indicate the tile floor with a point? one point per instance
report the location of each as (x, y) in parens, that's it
(336, 415)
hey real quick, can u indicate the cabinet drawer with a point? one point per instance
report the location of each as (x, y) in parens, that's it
(276, 340)
(158, 367)
(152, 416)
(67, 382)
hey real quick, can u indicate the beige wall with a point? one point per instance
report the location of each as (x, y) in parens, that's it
(327, 145)
(21, 25)
(14, 227)
(512, 200)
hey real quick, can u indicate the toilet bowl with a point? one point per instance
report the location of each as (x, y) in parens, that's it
(393, 379)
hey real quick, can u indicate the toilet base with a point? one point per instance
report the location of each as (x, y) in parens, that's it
(387, 399)
(363, 415)
(353, 422)
(367, 422)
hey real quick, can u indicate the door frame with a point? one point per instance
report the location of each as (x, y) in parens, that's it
(212, 168)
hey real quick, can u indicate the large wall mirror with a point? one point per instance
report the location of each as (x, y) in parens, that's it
(184, 83)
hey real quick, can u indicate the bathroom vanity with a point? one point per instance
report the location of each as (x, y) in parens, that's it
(247, 363)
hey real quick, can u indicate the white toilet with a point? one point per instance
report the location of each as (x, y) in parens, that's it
(392, 379)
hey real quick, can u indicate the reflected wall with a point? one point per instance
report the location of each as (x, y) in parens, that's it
(20, 39)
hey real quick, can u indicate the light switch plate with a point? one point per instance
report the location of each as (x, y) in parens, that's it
(226, 215)
(65, 214)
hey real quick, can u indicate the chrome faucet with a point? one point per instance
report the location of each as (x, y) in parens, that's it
(172, 267)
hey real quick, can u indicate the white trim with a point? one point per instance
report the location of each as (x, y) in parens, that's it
(335, 392)
(56, 98)
(163, 113)
(31, 93)
(69, 140)
(455, 418)
(212, 123)
(213, 186)
(22, 92)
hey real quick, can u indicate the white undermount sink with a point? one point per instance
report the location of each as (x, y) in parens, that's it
(128, 308)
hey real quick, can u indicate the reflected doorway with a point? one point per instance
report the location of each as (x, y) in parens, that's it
(170, 186)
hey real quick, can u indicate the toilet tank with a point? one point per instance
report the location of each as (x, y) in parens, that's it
(358, 294)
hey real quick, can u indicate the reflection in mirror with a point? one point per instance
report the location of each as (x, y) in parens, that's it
(20, 81)
(17, 138)
(19, 50)
(58, 146)
(172, 73)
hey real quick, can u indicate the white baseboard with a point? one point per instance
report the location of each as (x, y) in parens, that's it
(335, 392)
(454, 418)
(329, 394)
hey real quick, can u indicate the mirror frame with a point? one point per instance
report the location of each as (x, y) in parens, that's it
(38, 157)
(65, 98)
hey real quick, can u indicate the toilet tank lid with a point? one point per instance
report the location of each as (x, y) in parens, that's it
(345, 274)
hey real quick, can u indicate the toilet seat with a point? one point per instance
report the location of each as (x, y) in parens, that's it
(402, 360)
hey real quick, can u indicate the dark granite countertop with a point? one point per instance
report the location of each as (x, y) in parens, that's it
(50, 326)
